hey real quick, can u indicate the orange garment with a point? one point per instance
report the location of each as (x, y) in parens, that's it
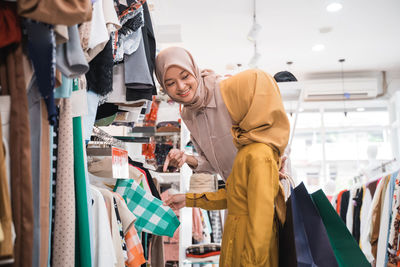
(339, 200)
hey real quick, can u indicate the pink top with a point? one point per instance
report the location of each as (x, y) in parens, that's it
(210, 130)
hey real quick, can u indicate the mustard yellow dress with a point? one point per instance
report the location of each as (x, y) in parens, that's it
(255, 204)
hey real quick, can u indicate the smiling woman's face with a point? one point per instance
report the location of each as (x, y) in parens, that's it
(180, 85)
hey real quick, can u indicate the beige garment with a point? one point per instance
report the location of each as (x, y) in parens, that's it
(127, 217)
(64, 218)
(116, 238)
(112, 24)
(203, 182)
(102, 167)
(44, 186)
(255, 105)
(61, 32)
(6, 243)
(376, 214)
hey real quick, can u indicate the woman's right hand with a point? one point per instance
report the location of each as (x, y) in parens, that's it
(176, 202)
(175, 158)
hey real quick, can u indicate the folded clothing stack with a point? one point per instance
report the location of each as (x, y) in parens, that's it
(203, 182)
(203, 252)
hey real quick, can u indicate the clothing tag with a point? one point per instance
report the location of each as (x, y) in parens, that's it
(79, 103)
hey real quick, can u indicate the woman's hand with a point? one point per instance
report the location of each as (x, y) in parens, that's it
(174, 158)
(283, 169)
(176, 202)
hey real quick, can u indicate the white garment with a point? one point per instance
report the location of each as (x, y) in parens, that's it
(384, 229)
(98, 30)
(350, 210)
(365, 222)
(110, 16)
(104, 254)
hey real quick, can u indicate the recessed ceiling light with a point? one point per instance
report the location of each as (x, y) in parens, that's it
(301, 109)
(318, 47)
(360, 109)
(334, 7)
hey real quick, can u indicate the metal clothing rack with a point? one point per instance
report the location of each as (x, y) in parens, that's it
(101, 143)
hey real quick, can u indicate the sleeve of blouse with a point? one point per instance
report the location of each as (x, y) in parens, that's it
(203, 165)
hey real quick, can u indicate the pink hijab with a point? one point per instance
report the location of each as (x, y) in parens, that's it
(180, 57)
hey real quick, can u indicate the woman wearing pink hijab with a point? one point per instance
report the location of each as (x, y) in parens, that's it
(204, 112)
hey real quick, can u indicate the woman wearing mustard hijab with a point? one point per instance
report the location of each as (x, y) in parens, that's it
(253, 195)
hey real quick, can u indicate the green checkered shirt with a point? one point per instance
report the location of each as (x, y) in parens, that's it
(152, 216)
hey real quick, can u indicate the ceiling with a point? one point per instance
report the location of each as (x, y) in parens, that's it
(365, 32)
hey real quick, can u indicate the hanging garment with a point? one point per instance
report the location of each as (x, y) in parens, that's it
(197, 226)
(149, 43)
(386, 212)
(13, 82)
(64, 217)
(56, 12)
(156, 246)
(70, 59)
(128, 32)
(393, 241)
(152, 216)
(216, 226)
(45, 173)
(344, 205)
(88, 120)
(35, 135)
(103, 244)
(83, 257)
(251, 230)
(53, 184)
(358, 201)
(171, 244)
(350, 210)
(6, 243)
(41, 47)
(347, 252)
(135, 249)
(10, 29)
(374, 216)
(5, 108)
(133, 244)
(113, 222)
(65, 90)
(100, 75)
(339, 201)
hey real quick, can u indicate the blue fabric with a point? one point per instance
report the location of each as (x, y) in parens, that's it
(65, 90)
(88, 120)
(42, 50)
(303, 251)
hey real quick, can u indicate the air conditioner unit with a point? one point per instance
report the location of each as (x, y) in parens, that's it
(331, 89)
(338, 89)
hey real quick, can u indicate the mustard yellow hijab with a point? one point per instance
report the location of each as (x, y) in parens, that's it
(255, 105)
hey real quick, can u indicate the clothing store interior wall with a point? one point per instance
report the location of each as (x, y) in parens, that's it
(347, 116)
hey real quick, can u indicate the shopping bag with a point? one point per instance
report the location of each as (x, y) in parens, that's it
(309, 221)
(287, 246)
(345, 247)
(303, 250)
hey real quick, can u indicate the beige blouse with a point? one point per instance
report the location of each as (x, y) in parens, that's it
(210, 130)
